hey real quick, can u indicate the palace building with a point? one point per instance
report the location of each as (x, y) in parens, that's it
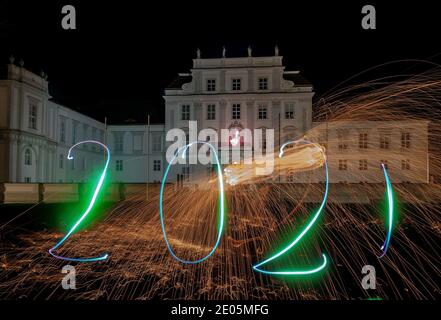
(222, 93)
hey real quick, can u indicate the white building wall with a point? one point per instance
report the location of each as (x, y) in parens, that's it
(138, 153)
(140, 158)
(344, 155)
(250, 96)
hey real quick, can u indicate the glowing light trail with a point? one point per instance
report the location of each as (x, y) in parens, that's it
(390, 204)
(89, 208)
(221, 205)
(304, 231)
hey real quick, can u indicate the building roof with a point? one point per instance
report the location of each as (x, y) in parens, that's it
(296, 78)
(179, 81)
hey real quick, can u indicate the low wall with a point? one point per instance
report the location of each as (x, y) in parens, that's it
(71, 192)
(22, 192)
(114, 192)
(60, 192)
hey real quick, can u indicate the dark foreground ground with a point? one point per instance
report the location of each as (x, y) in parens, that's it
(140, 267)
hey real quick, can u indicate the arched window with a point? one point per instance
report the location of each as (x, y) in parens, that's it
(28, 157)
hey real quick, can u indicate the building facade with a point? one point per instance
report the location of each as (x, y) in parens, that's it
(224, 93)
(238, 93)
(36, 133)
(356, 149)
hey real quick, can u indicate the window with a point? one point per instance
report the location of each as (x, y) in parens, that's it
(262, 113)
(186, 173)
(384, 141)
(119, 143)
(263, 83)
(363, 164)
(85, 133)
(405, 140)
(72, 164)
(342, 164)
(363, 140)
(119, 165)
(236, 111)
(211, 112)
(27, 179)
(289, 111)
(157, 143)
(61, 161)
(156, 165)
(236, 84)
(32, 120)
(185, 112)
(211, 84)
(63, 131)
(94, 136)
(28, 157)
(405, 164)
(323, 139)
(74, 134)
(137, 142)
(342, 143)
(385, 164)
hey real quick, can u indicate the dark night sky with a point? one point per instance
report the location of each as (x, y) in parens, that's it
(123, 53)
